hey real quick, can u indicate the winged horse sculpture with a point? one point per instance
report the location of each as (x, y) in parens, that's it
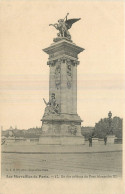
(64, 25)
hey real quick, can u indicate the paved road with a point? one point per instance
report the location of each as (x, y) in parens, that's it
(63, 165)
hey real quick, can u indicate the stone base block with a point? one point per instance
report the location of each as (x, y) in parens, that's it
(61, 140)
(63, 124)
(111, 139)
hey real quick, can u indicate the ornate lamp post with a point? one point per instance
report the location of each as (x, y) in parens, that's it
(110, 122)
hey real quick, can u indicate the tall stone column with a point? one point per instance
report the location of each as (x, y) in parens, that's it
(60, 117)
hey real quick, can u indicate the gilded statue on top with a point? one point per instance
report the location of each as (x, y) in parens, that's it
(63, 26)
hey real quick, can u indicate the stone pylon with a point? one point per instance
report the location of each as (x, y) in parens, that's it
(60, 117)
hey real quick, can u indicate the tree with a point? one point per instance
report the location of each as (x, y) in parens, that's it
(87, 131)
(102, 127)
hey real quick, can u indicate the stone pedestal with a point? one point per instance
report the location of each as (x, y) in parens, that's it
(61, 124)
(111, 139)
(60, 117)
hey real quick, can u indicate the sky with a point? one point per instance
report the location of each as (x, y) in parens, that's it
(24, 74)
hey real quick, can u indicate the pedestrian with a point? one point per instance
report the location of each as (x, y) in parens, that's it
(105, 140)
(90, 141)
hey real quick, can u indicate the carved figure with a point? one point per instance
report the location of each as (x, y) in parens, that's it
(72, 129)
(64, 25)
(51, 107)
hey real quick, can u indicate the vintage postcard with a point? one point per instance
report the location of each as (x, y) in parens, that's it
(62, 96)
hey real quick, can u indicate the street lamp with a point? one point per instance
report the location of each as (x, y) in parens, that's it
(110, 122)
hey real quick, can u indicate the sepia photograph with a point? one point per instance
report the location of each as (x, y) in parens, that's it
(62, 91)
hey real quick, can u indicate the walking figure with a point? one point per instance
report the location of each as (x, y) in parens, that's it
(90, 141)
(105, 140)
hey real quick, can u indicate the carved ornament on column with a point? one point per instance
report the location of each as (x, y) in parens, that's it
(51, 63)
(61, 60)
(72, 129)
(69, 60)
(69, 75)
(58, 76)
(75, 62)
